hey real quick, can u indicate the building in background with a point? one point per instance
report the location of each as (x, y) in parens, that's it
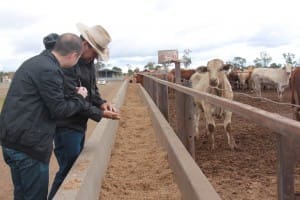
(109, 75)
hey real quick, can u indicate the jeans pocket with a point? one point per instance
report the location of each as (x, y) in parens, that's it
(26, 161)
(16, 158)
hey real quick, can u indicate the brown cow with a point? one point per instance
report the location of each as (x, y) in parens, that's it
(295, 91)
(139, 79)
(185, 74)
(214, 81)
(233, 78)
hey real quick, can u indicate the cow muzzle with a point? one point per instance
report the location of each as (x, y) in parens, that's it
(213, 82)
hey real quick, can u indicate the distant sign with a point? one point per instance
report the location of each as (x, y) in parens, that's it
(165, 56)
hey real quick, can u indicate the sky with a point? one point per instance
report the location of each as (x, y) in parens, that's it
(140, 28)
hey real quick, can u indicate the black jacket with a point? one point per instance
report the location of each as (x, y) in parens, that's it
(82, 74)
(35, 100)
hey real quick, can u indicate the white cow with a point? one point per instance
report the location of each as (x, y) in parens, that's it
(270, 76)
(213, 81)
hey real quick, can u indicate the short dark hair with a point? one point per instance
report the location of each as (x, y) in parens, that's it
(50, 40)
(68, 43)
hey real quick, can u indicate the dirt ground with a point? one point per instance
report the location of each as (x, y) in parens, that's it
(250, 172)
(138, 168)
(107, 92)
(245, 174)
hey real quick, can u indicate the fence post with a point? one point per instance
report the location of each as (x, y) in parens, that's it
(188, 123)
(180, 127)
(162, 101)
(177, 72)
(286, 163)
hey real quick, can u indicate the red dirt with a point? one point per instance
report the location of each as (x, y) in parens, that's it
(250, 172)
(247, 174)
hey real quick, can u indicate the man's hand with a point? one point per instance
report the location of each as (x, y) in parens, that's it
(82, 91)
(111, 115)
(108, 107)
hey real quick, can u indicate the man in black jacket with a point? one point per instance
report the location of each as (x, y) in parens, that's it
(70, 132)
(35, 100)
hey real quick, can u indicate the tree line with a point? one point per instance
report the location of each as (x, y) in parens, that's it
(264, 60)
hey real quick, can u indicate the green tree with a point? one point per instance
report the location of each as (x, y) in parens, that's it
(186, 58)
(158, 67)
(166, 66)
(117, 69)
(275, 65)
(263, 60)
(99, 65)
(239, 62)
(130, 72)
(289, 58)
(149, 66)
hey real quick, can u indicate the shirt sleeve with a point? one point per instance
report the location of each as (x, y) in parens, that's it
(51, 89)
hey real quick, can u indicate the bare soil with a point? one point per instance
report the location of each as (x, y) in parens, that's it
(107, 92)
(138, 167)
(248, 173)
(245, 174)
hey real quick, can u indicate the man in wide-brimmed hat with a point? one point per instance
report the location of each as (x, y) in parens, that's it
(70, 132)
(97, 37)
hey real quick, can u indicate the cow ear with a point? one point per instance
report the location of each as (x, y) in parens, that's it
(227, 67)
(201, 69)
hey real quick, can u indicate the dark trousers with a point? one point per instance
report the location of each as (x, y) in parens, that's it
(68, 145)
(30, 177)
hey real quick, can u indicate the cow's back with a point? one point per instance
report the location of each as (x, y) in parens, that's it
(269, 75)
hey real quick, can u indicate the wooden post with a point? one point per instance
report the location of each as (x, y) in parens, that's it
(154, 97)
(162, 102)
(188, 124)
(285, 168)
(184, 121)
(177, 72)
(180, 128)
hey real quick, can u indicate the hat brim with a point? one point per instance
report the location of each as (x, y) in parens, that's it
(104, 55)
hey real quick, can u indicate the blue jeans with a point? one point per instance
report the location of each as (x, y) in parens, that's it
(68, 145)
(30, 176)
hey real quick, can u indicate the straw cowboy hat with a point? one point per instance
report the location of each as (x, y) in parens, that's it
(97, 37)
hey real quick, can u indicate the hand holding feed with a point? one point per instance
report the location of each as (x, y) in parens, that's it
(111, 115)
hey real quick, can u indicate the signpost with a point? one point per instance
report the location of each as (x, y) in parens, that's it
(167, 56)
(170, 56)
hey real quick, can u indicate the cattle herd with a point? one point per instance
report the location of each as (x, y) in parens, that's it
(222, 79)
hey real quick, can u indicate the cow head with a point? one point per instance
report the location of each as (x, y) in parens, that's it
(288, 69)
(216, 71)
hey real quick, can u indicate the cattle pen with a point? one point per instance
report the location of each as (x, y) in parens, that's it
(85, 179)
(287, 129)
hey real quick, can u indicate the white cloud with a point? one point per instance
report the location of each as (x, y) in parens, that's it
(214, 28)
